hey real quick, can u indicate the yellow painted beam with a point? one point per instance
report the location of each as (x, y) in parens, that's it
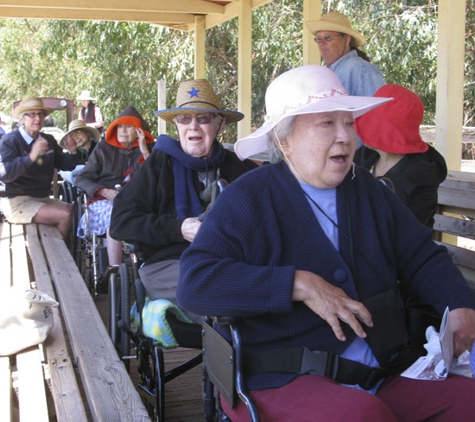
(165, 19)
(175, 6)
(245, 67)
(232, 10)
(450, 80)
(312, 10)
(200, 48)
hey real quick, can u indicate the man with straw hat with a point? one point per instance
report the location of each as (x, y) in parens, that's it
(339, 46)
(161, 207)
(28, 158)
(311, 254)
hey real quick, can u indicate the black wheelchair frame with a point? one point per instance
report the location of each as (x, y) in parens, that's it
(148, 352)
(132, 344)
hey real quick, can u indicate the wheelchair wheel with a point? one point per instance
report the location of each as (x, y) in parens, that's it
(151, 389)
(124, 311)
(119, 311)
(87, 276)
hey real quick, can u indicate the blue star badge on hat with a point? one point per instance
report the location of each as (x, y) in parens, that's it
(193, 92)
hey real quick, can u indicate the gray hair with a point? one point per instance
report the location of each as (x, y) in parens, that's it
(278, 135)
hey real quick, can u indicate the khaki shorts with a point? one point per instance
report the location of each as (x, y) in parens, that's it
(22, 209)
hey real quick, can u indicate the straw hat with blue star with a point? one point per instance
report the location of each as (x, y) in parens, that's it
(196, 97)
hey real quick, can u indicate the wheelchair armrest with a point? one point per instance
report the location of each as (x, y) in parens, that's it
(224, 363)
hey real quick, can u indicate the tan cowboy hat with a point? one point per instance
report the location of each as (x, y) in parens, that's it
(338, 22)
(85, 95)
(302, 90)
(194, 97)
(80, 125)
(31, 104)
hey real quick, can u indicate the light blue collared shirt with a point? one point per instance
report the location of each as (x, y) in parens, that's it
(28, 139)
(358, 76)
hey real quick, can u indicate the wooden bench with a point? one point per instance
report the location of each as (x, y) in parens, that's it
(454, 225)
(76, 374)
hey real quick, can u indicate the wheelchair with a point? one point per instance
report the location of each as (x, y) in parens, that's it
(133, 344)
(149, 351)
(89, 252)
(90, 255)
(223, 374)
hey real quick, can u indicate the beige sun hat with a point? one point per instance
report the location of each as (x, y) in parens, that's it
(302, 90)
(80, 125)
(194, 97)
(85, 95)
(31, 104)
(338, 22)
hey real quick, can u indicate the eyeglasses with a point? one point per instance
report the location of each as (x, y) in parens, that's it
(201, 119)
(327, 38)
(32, 115)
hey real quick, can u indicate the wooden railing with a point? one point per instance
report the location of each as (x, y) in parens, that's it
(455, 221)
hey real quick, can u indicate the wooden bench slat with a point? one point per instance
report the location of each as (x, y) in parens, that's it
(21, 275)
(110, 392)
(455, 226)
(65, 390)
(6, 395)
(5, 267)
(31, 384)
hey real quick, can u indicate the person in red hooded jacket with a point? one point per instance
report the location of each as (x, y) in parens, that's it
(127, 145)
(395, 152)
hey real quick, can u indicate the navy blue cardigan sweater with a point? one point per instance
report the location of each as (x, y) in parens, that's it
(262, 229)
(20, 176)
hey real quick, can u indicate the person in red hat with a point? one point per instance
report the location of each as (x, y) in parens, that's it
(395, 152)
(128, 143)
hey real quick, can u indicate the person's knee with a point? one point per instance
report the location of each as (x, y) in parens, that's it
(367, 408)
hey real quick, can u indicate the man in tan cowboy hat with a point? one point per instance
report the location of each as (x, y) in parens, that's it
(338, 43)
(161, 207)
(28, 158)
(90, 112)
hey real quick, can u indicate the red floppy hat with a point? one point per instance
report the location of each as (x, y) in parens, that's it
(394, 126)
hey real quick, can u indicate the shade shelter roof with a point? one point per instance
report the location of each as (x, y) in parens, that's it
(199, 15)
(176, 14)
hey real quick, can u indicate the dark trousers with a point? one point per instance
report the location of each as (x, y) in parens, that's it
(312, 398)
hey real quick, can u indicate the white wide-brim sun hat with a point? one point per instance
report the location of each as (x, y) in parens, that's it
(302, 90)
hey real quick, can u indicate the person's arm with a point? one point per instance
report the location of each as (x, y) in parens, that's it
(13, 163)
(99, 120)
(144, 210)
(144, 149)
(88, 178)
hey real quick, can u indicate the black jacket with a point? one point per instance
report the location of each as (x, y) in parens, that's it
(144, 211)
(415, 179)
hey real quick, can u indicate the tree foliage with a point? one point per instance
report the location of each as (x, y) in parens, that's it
(121, 62)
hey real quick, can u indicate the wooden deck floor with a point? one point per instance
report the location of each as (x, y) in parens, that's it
(182, 395)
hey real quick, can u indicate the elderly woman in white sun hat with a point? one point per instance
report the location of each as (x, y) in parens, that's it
(309, 252)
(85, 138)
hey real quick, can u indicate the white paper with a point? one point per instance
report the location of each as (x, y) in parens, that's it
(439, 361)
